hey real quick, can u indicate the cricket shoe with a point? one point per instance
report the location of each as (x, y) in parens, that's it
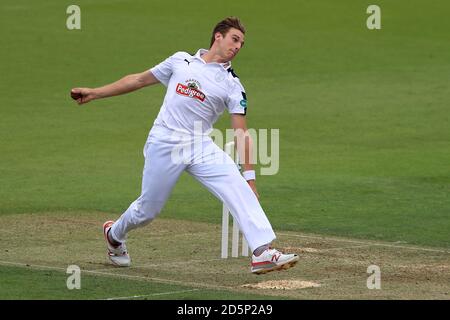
(117, 254)
(272, 259)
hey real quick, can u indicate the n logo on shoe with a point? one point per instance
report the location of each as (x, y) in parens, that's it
(275, 257)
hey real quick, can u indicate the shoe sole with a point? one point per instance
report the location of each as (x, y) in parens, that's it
(117, 264)
(106, 225)
(284, 266)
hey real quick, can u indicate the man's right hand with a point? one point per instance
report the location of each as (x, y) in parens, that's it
(82, 95)
(126, 84)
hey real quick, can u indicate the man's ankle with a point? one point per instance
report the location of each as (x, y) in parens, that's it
(112, 242)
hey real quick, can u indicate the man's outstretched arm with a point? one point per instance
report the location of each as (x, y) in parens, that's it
(127, 84)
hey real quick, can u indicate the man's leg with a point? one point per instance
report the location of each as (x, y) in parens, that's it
(219, 174)
(159, 177)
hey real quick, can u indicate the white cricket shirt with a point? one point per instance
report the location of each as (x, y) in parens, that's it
(197, 92)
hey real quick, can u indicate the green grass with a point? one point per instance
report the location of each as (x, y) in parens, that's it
(52, 285)
(363, 115)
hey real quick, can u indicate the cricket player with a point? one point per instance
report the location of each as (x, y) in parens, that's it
(199, 88)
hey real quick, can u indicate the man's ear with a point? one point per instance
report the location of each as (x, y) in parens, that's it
(218, 35)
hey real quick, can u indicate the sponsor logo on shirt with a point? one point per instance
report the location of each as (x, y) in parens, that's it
(190, 90)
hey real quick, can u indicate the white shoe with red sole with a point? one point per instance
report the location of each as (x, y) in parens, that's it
(271, 260)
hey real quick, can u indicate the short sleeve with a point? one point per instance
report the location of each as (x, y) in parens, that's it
(237, 99)
(163, 71)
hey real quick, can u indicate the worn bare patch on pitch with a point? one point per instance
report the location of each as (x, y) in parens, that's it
(300, 250)
(283, 285)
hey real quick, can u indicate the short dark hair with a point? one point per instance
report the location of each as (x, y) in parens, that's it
(225, 25)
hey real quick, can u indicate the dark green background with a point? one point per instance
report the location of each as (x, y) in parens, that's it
(363, 115)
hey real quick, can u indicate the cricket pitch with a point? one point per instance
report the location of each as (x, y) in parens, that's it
(188, 254)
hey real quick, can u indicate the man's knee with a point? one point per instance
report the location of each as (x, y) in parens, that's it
(146, 211)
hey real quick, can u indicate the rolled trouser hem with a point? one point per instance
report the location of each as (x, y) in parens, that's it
(115, 238)
(260, 241)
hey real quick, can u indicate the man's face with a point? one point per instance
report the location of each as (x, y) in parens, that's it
(229, 46)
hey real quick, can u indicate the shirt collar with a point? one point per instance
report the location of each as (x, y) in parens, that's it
(201, 52)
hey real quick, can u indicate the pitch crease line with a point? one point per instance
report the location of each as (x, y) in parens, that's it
(160, 280)
(363, 242)
(153, 294)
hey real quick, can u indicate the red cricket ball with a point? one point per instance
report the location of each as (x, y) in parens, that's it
(75, 95)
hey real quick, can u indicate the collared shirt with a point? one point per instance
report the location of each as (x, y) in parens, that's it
(197, 92)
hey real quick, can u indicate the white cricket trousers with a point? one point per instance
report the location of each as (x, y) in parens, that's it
(166, 157)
